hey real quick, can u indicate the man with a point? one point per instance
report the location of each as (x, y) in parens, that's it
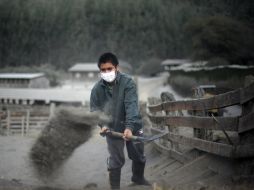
(116, 96)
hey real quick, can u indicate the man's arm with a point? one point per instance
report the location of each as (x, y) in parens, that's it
(94, 102)
(95, 107)
(131, 108)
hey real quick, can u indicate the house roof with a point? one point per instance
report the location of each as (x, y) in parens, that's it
(20, 75)
(84, 67)
(47, 95)
(169, 62)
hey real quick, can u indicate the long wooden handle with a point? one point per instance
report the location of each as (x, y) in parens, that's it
(120, 135)
(134, 138)
(117, 134)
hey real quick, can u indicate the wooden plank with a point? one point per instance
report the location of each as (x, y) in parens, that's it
(226, 123)
(178, 156)
(246, 123)
(247, 93)
(240, 151)
(207, 146)
(157, 131)
(19, 122)
(15, 119)
(39, 118)
(162, 149)
(8, 119)
(22, 126)
(172, 153)
(27, 120)
(247, 109)
(218, 101)
(152, 101)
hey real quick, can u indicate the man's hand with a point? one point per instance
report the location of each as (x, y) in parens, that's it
(104, 129)
(127, 134)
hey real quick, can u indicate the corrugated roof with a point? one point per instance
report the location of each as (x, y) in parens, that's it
(92, 67)
(84, 67)
(20, 75)
(47, 95)
(174, 62)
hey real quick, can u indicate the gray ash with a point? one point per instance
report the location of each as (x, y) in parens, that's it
(62, 135)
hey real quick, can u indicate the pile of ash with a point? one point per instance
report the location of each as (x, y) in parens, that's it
(67, 130)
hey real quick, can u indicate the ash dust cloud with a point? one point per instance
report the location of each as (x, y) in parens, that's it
(66, 131)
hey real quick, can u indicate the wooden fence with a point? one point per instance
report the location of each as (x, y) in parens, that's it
(22, 122)
(167, 116)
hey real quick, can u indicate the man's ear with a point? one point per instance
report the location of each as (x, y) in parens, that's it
(117, 68)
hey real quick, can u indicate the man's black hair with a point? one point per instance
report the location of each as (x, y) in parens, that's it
(108, 58)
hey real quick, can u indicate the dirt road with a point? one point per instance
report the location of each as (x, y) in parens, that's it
(148, 87)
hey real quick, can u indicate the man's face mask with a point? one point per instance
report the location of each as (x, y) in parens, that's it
(109, 76)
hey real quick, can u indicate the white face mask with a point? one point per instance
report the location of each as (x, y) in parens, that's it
(109, 76)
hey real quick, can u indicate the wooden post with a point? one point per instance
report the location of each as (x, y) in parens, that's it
(31, 102)
(22, 125)
(10, 101)
(166, 97)
(16, 101)
(247, 107)
(248, 80)
(24, 102)
(152, 101)
(8, 120)
(246, 166)
(52, 109)
(27, 120)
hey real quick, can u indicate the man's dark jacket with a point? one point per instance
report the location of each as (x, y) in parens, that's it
(120, 103)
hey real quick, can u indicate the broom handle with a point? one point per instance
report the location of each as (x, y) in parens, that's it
(117, 134)
(120, 135)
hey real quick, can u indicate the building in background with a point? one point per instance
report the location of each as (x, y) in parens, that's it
(170, 63)
(84, 71)
(23, 80)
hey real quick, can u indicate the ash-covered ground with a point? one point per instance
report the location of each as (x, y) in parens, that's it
(84, 166)
(25, 162)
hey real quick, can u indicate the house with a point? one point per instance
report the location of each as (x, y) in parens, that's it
(84, 71)
(168, 63)
(32, 96)
(23, 80)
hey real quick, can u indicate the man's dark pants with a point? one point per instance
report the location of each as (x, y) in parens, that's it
(116, 159)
